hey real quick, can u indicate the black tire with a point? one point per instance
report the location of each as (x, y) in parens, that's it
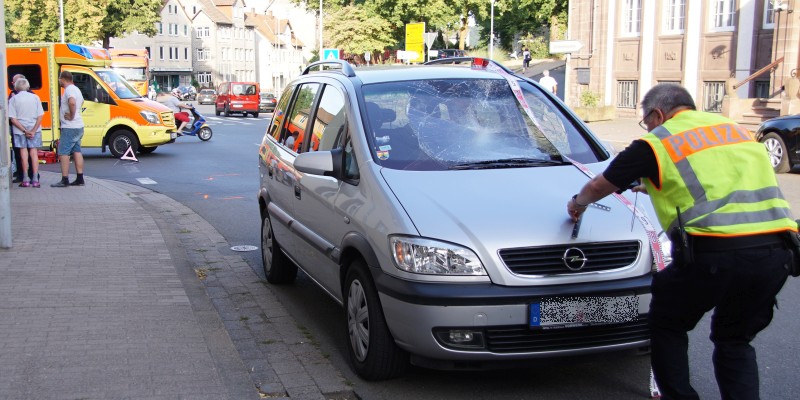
(277, 267)
(227, 111)
(147, 150)
(371, 348)
(255, 115)
(119, 142)
(205, 133)
(777, 151)
(217, 110)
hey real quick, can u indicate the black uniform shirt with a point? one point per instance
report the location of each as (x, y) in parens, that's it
(636, 161)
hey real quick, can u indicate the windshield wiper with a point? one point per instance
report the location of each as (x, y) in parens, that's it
(509, 163)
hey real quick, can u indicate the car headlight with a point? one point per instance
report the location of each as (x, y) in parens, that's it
(431, 257)
(666, 250)
(150, 117)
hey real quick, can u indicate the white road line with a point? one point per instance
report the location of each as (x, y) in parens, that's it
(146, 181)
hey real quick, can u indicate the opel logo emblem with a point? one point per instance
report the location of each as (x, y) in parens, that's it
(574, 259)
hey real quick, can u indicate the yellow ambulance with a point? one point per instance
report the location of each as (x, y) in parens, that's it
(115, 115)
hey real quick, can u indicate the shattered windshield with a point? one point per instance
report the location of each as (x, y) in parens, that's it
(468, 124)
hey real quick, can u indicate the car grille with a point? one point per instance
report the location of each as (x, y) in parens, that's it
(168, 118)
(521, 339)
(548, 260)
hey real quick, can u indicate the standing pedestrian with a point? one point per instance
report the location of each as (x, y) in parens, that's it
(548, 82)
(526, 59)
(707, 172)
(18, 177)
(25, 113)
(71, 131)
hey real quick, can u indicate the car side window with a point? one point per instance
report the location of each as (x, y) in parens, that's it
(279, 114)
(90, 88)
(295, 131)
(330, 122)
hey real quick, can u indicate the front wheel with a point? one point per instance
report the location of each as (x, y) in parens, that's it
(778, 154)
(277, 267)
(205, 133)
(120, 141)
(227, 111)
(372, 351)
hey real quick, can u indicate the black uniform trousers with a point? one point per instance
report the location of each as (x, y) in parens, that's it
(740, 285)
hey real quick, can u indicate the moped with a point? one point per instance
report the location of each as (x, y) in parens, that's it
(198, 127)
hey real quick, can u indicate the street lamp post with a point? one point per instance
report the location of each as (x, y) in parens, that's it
(320, 29)
(491, 34)
(61, 16)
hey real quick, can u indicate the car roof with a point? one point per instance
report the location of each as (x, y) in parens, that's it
(369, 75)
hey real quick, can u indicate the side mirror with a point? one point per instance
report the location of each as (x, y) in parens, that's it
(326, 163)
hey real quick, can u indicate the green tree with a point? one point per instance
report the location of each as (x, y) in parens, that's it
(356, 31)
(85, 21)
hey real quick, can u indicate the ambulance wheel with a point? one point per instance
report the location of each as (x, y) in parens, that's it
(778, 154)
(147, 150)
(120, 141)
(205, 133)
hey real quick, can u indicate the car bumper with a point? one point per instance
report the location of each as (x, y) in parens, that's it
(266, 108)
(421, 315)
(155, 136)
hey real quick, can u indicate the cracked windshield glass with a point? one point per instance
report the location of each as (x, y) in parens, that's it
(468, 123)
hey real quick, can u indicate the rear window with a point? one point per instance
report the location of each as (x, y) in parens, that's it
(243, 89)
(444, 124)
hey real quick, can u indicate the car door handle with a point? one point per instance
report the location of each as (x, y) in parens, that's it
(297, 191)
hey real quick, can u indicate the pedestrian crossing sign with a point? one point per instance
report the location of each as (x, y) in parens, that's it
(330, 54)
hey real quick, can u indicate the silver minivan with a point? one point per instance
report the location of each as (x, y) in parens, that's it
(431, 203)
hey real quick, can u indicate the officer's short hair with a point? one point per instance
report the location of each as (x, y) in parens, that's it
(66, 75)
(22, 85)
(666, 97)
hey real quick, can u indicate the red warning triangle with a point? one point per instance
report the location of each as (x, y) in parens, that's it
(129, 155)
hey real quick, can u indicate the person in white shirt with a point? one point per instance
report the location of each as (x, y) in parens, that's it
(26, 112)
(548, 82)
(71, 131)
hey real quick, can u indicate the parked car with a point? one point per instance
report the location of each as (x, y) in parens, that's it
(237, 97)
(446, 53)
(780, 136)
(207, 96)
(267, 102)
(432, 208)
(188, 93)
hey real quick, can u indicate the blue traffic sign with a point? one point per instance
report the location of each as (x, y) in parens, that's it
(330, 54)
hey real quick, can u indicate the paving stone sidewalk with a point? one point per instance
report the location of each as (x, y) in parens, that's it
(112, 291)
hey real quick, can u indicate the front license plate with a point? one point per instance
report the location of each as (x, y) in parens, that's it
(565, 312)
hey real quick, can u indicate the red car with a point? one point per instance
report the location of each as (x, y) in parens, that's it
(237, 97)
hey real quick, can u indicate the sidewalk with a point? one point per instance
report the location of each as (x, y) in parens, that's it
(112, 291)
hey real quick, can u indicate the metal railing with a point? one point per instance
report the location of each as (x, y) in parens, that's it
(769, 67)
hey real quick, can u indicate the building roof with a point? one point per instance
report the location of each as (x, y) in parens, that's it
(214, 13)
(272, 28)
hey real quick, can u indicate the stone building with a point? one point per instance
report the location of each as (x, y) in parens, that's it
(736, 57)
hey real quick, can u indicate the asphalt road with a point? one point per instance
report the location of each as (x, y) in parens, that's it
(218, 179)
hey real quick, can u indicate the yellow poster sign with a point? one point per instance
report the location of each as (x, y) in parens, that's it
(415, 42)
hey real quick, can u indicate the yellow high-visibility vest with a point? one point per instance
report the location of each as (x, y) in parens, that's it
(719, 177)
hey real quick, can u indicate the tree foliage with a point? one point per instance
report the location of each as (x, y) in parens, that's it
(356, 31)
(85, 21)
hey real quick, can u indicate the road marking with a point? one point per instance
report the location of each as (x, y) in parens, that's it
(146, 181)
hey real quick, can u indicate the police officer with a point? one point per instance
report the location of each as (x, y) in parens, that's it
(720, 180)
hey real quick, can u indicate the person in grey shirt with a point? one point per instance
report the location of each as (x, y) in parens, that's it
(25, 112)
(176, 105)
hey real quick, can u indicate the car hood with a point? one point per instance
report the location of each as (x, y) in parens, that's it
(493, 209)
(147, 104)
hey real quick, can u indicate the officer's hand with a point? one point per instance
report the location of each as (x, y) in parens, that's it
(639, 188)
